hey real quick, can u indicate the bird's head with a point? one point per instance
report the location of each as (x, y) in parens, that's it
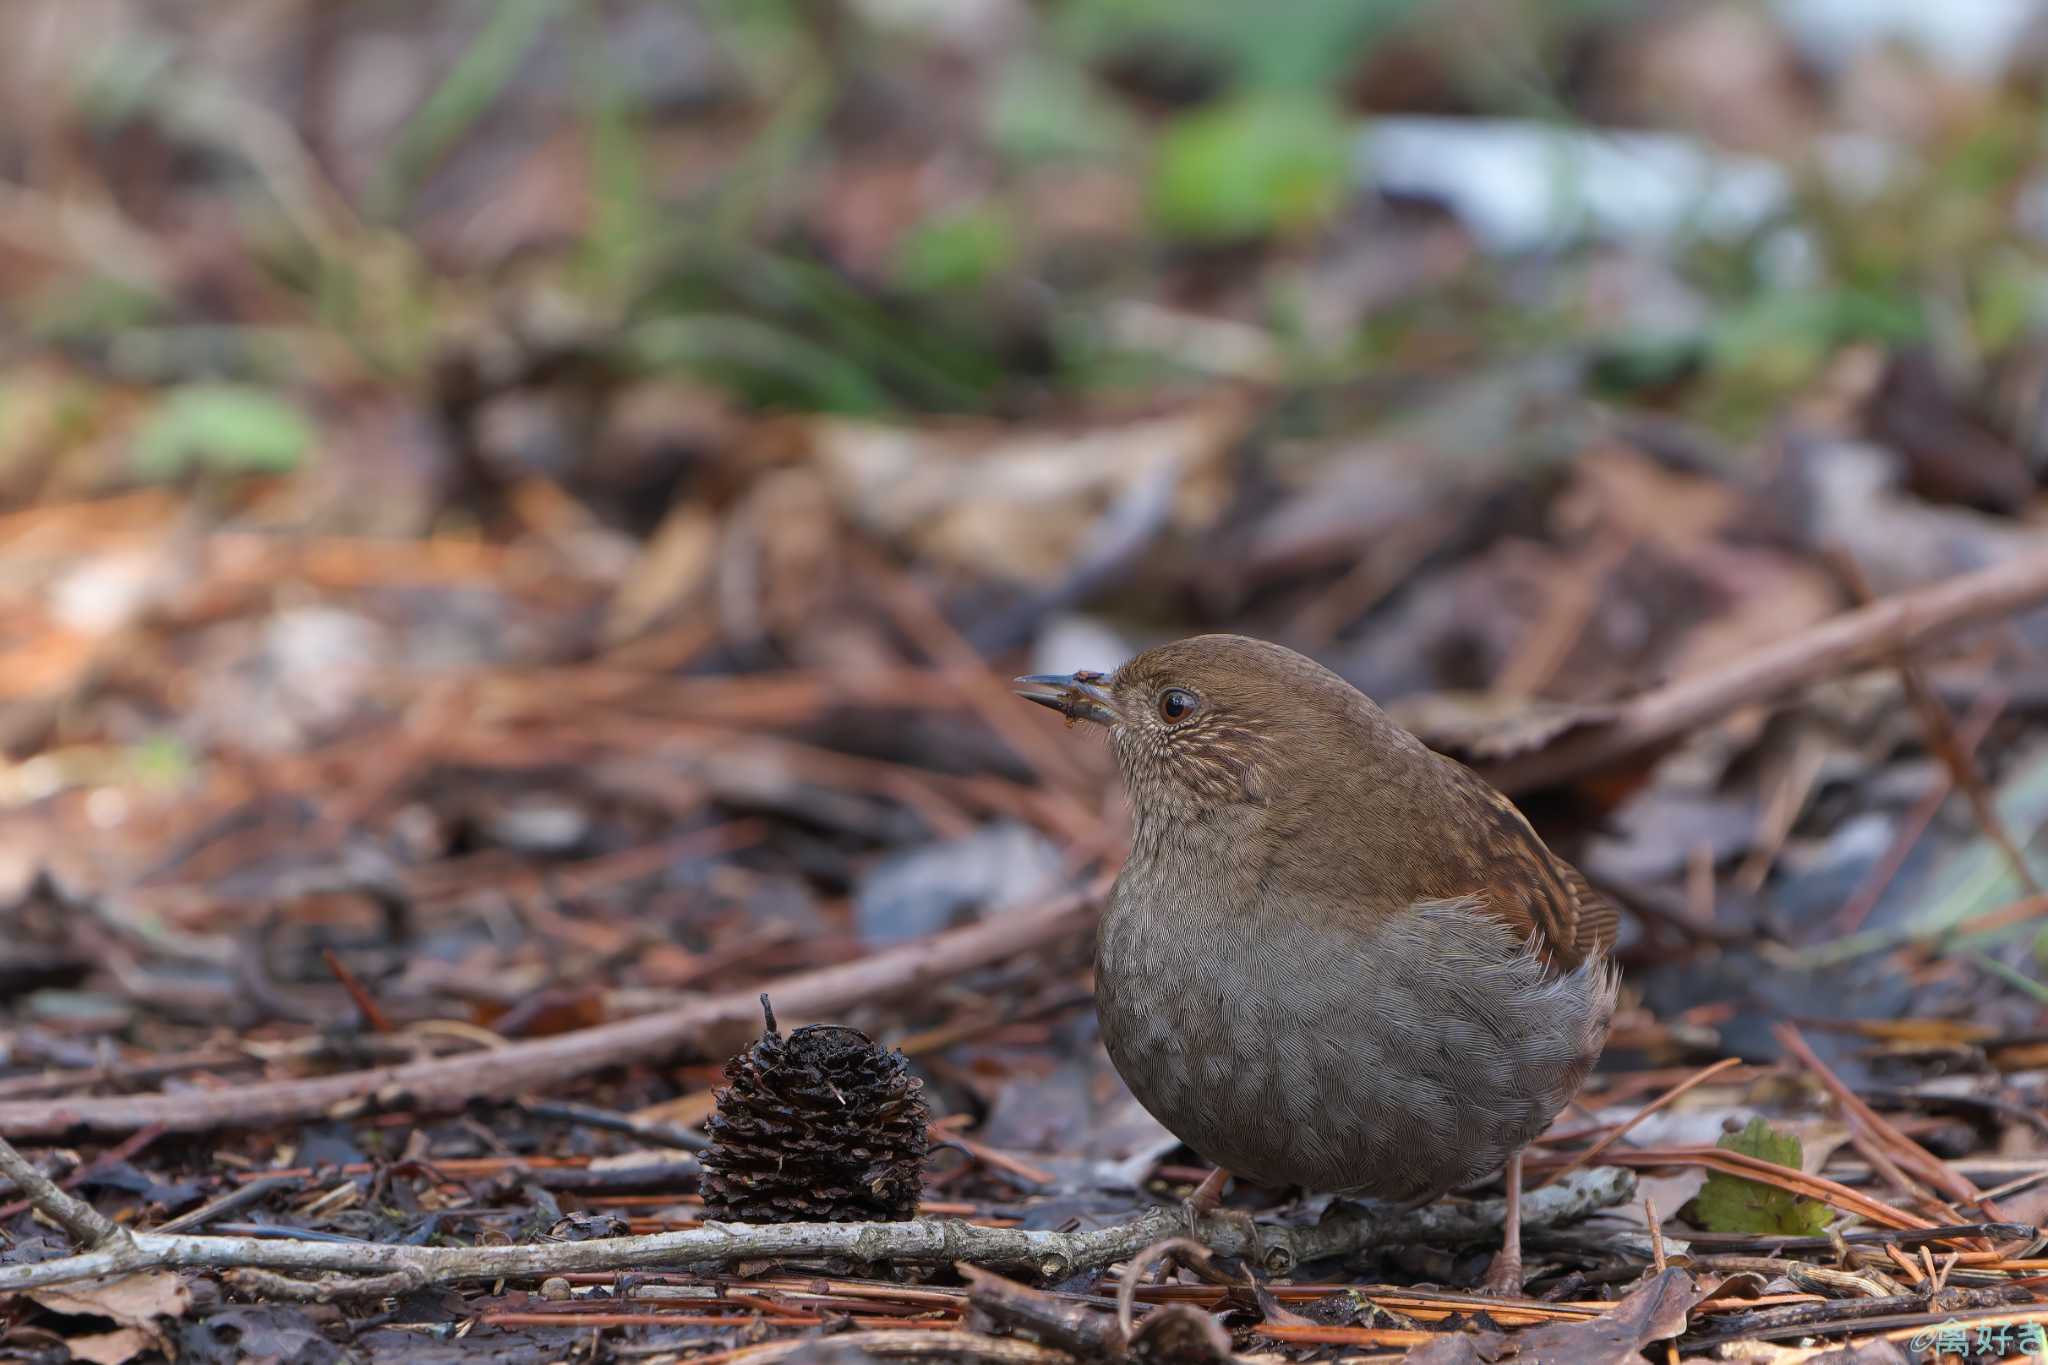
(1209, 721)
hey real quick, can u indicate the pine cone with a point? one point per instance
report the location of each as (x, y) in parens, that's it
(821, 1126)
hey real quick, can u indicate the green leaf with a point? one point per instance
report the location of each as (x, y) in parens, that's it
(1733, 1203)
(1256, 165)
(958, 251)
(1765, 1143)
(222, 428)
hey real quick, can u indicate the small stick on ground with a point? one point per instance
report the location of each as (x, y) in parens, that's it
(234, 1201)
(365, 1003)
(1915, 1158)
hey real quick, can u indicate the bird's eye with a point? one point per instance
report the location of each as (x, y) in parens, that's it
(1177, 703)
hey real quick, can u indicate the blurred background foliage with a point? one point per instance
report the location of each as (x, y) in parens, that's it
(1004, 207)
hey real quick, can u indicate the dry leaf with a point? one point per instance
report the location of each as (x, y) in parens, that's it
(139, 1303)
(132, 1300)
(675, 563)
(1021, 504)
(1656, 1310)
(111, 1348)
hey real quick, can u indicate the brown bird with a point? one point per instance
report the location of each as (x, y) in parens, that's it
(1334, 958)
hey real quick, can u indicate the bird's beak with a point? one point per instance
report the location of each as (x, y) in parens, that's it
(1077, 696)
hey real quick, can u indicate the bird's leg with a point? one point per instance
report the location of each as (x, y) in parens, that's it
(1504, 1276)
(1208, 1195)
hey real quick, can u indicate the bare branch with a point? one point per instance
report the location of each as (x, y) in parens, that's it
(88, 1227)
(1051, 1255)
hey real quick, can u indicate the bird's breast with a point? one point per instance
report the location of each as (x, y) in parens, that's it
(1395, 1056)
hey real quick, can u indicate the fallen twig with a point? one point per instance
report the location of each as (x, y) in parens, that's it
(1051, 1255)
(234, 1201)
(87, 1225)
(1855, 639)
(590, 1116)
(969, 1348)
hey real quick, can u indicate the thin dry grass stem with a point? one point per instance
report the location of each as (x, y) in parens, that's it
(366, 1005)
(1003, 1161)
(2001, 917)
(1699, 885)
(1910, 1155)
(1384, 565)
(1983, 714)
(1621, 1130)
(913, 610)
(902, 1343)
(1830, 1192)
(1956, 756)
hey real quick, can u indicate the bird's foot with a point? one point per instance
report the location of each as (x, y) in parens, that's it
(1253, 1250)
(1207, 1202)
(1504, 1277)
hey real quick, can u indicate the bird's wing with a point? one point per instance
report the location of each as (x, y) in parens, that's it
(1538, 894)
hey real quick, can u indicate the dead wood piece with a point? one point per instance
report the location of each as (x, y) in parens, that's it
(1057, 1320)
